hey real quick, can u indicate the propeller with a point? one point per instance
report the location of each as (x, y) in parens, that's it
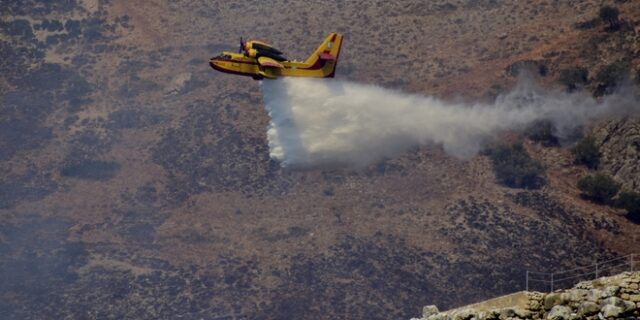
(241, 45)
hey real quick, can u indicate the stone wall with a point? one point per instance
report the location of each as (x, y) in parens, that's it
(616, 297)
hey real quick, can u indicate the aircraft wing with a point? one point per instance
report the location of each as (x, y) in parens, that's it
(270, 63)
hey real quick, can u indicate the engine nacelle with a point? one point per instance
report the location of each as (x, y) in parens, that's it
(253, 53)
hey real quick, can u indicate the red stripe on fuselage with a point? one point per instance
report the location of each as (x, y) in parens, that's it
(236, 61)
(231, 71)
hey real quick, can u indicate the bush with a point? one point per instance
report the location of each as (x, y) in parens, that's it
(573, 77)
(629, 200)
(91, 169)
(542, 131)
(610, 76)
(610, 15)
(589, 24)
(515, 169)
(587, 153)
(599, 187)
(528, 66)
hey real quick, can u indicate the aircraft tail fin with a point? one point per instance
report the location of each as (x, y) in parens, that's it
(326, 56)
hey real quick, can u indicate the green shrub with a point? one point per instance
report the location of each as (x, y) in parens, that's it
(574, 77)
(610, 76)
(515, 169)
(610, 15)
(587, 153)
(589, 24)
(599, 187)
(630, 201)
(635, 217)
(91, 169)
(542, 131)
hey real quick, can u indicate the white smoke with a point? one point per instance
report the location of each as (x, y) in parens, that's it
(327, 122)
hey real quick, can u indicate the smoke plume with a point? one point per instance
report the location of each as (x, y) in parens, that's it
(329, 123)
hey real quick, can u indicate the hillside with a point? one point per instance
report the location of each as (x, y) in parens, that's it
(136, 182)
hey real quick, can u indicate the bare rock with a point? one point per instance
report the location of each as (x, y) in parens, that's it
(489, 315)
(615, 301)
(466, 314)
(611, 311)
(429, 310)
(535, 305)
(610, 291)
(520, 313)
(588, 308)
(507, 313)
(625, 306)
(584, 285)
(178, 82)
(576, 295)
(535, 300)
(559, 312)
(439, 316)
(594, 295)
(619, 142)
(553, 299)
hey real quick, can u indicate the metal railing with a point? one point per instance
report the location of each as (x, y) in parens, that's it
(568, 278)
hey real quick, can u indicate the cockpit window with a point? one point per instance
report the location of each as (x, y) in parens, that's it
(225, 56)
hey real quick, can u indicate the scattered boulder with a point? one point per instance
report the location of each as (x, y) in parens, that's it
(594, 295)
(439, 316)
(465, 314)
(614, 301)
(429, 311)
(554, 299)
(587, 285)
(559, 312)
(521, 313)
(610, 291)
(507, 313)
(576, 295)
(611, 311)
(588, 308)
(535, 300)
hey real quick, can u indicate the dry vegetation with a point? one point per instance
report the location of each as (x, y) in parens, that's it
(136, 182)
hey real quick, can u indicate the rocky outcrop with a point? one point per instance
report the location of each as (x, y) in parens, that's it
(616, 297)
(619, 142)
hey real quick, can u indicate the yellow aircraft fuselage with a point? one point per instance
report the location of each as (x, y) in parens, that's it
(267, 62)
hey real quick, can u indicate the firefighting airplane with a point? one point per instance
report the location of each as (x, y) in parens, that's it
(260, 60)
